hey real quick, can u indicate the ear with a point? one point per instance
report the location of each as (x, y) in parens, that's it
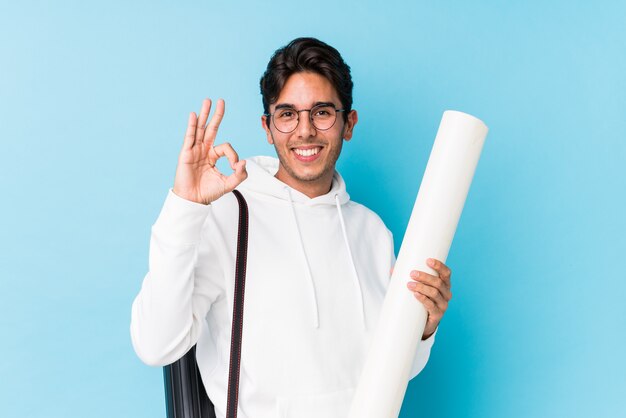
(353, 118)
(266, 127)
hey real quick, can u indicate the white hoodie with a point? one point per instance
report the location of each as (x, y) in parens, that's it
(316, 278)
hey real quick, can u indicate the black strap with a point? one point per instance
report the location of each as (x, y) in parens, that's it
(237, 329)
(185, 395)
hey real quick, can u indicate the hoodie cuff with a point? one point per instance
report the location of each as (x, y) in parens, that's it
(180, 221)
(422, 355)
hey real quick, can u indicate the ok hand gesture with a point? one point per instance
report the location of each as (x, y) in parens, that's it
(197, 178)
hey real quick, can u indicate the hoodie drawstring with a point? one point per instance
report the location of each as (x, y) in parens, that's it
(316, 318)
(355, 275)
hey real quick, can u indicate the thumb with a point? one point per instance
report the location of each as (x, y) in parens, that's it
(238, 176)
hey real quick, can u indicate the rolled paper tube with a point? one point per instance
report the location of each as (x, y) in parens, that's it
(434, 219)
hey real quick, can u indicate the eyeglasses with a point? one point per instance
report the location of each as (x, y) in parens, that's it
(322, 117)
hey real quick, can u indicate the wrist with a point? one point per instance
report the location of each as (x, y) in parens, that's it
(187, 197)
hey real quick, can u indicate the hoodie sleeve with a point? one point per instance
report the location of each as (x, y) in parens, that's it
(169, 309)
(421, 355)
(423, 347)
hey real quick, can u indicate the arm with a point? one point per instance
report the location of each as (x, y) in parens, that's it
(176, 294)
(422, 353)
(167, 312)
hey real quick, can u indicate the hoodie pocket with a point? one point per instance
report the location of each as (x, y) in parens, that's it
(326, 405)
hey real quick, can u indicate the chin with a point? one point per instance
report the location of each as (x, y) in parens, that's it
(306, 176)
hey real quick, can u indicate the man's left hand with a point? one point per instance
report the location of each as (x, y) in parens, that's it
(433, 291)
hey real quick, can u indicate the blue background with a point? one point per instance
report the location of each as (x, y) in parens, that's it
(94, 100)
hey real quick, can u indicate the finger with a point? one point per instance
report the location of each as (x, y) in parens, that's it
(434, 313)
(433, 281)
(204, 115)
(190, 135)
(214, 124)
(437, 306)
(430, 291)
(442, 270)
(224, 150)
(237, 177)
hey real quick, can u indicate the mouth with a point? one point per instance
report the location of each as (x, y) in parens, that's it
(307, 153)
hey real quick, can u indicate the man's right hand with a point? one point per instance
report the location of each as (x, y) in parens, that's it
(197, 178)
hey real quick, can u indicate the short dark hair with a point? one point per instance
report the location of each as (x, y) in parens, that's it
(306, 55)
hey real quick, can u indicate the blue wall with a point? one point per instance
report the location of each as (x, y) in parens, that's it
(94, 101)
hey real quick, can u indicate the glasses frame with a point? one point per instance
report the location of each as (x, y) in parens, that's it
(270, 115)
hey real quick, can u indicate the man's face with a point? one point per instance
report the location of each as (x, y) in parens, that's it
(307, 155)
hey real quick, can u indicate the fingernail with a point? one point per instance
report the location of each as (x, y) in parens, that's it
(431, 262)
(411, 285)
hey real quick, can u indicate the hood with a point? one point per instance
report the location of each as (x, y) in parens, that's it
(261, 172)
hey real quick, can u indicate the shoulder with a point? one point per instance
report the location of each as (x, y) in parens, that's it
(358, 209)
(365, 216)
(371, 237)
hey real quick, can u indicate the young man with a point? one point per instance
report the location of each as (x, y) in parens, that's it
(318, 263)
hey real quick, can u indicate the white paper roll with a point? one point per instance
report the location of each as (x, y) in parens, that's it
(429, 234)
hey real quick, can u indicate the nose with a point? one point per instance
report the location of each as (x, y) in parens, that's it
(305, 127)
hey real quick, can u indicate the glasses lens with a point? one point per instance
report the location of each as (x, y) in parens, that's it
(323, 117)
(286, 119)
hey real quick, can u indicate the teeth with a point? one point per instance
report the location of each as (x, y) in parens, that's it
(307, 152)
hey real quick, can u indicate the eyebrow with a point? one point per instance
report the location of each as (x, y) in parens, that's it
(291, 106)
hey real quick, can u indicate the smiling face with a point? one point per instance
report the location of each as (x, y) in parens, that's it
(308, 156)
